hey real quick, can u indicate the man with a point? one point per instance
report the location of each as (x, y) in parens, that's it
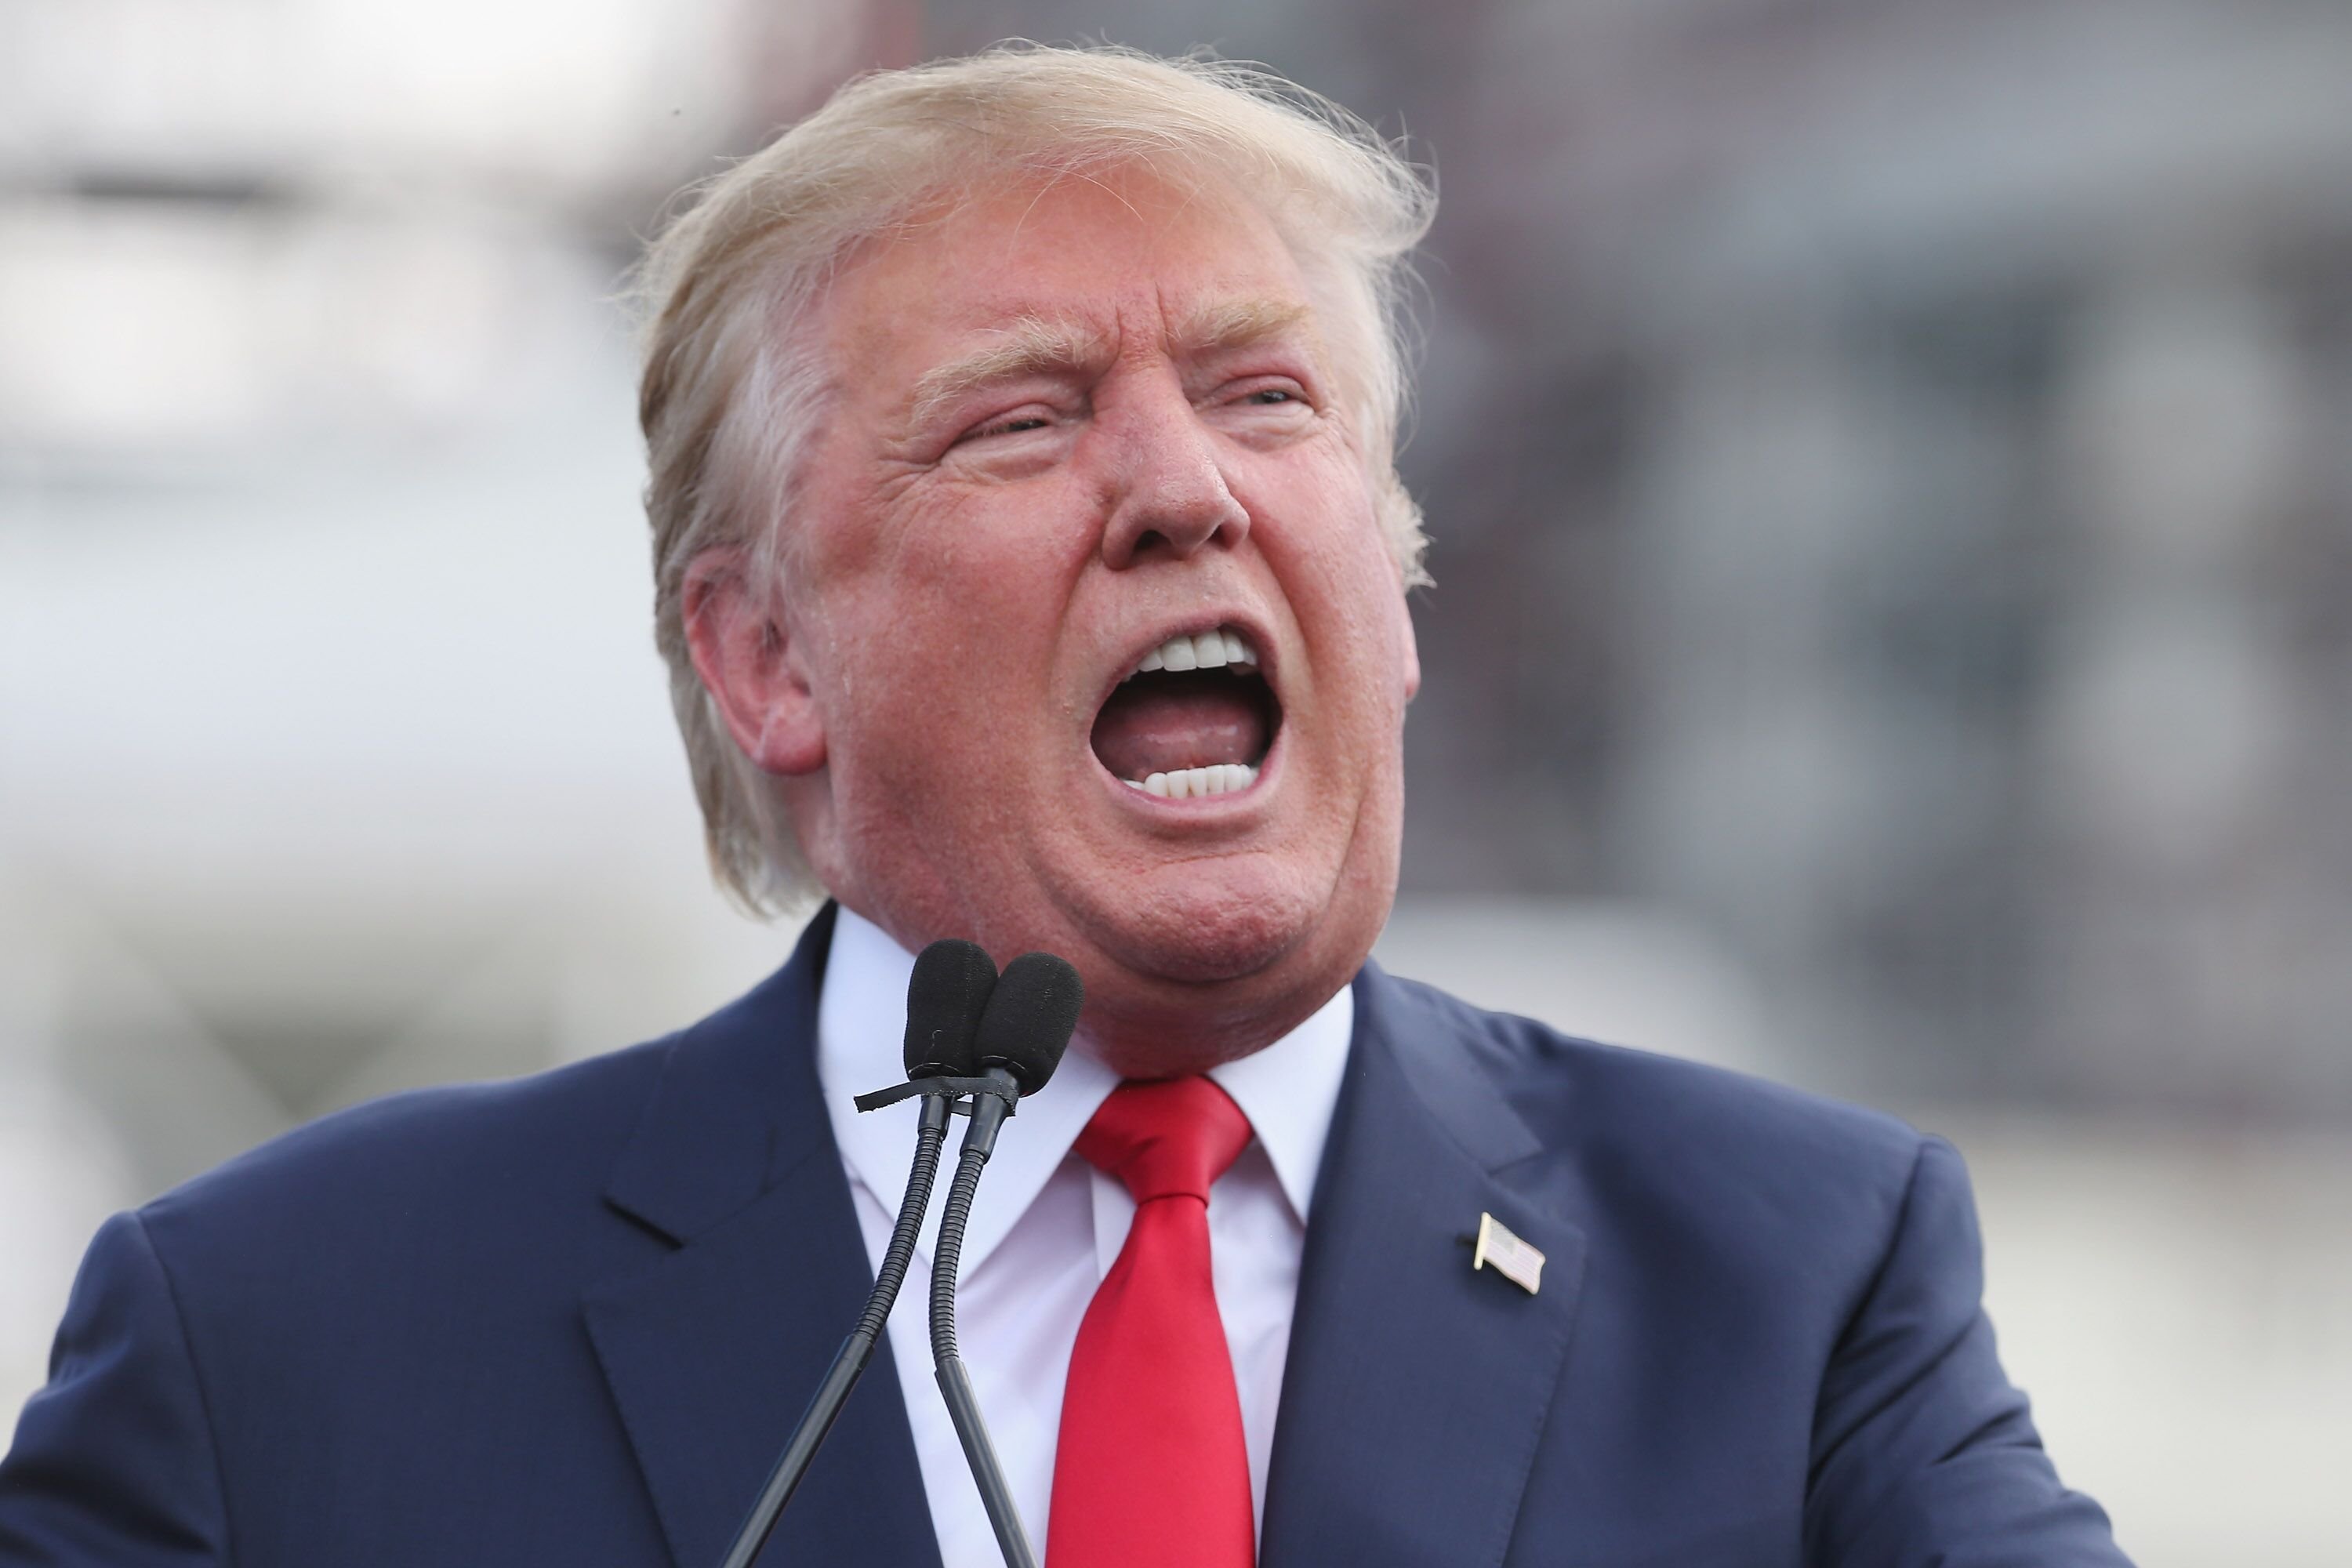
(1031, 565)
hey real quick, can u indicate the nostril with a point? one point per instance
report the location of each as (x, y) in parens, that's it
(1148, 525)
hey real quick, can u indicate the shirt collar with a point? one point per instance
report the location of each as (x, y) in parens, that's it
(1288, 1090)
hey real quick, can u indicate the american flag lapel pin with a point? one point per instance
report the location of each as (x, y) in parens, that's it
(1512, 1258)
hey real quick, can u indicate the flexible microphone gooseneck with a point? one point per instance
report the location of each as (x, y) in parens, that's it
(946, 997)
(1022, 1035)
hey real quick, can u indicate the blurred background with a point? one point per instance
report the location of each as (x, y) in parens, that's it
(1891, 472)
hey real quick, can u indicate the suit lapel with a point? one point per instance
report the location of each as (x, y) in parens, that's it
(1416, 1389)
(712, 1352)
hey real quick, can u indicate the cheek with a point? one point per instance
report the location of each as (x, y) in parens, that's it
(948, 637)
(985, 555)
(1365, 683)
(1342, 587)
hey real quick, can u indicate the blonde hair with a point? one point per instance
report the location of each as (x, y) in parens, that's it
(732, 386)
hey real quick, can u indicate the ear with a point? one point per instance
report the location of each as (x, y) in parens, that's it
(1412, 654)
(752, 665)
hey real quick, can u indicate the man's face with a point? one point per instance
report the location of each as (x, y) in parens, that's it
(1075, 421)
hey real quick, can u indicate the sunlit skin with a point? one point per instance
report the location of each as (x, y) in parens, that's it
(1072, 419)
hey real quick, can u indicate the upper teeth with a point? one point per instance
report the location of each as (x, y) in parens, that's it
(1203, 650)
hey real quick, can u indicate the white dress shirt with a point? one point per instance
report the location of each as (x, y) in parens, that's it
(1046, 1227)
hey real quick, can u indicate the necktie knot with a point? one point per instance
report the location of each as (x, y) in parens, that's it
(1167, 1137)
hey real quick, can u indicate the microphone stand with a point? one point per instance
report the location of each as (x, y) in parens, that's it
(849, 1362)
(1025, 1042)
(990, 1106)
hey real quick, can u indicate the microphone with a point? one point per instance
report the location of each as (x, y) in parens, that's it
(1023, 1033)
(946, 997)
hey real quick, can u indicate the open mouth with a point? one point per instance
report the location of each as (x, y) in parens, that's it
(1194, 717)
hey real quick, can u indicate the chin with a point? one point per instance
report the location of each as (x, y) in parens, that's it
(1207, 968)
(1212, 999)
(1205, 924)
(1192, 961)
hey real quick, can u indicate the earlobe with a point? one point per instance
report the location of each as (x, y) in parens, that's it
(752, 665)
(1412, 656)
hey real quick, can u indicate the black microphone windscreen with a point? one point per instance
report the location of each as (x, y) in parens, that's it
(1029, 1020)
(945, 997)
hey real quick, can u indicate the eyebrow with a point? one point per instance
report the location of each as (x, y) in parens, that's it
(1033, 345)
(1038, 345)
(1240, 324)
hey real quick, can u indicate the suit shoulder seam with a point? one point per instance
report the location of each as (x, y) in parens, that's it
(1897, 1226)
(196, 1378)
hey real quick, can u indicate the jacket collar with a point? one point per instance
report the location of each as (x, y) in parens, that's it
(1417, 1390)
(735, 1111)
(712, 1351)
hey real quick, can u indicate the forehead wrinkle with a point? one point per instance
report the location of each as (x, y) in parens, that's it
(1032, 344)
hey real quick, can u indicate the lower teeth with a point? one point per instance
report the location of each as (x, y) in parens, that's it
(1187, 784)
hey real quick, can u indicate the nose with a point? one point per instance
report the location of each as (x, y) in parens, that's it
(1169, 495)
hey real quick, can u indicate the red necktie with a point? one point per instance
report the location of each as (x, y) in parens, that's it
(1150, 1469)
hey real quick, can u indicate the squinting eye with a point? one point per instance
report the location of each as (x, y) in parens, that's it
(1027, 422)
(1272, 395)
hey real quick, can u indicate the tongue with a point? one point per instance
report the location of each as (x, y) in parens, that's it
(1159, 723)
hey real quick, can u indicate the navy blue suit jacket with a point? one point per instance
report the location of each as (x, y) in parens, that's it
(568, 1320)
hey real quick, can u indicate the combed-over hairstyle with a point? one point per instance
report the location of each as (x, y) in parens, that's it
(732, 384)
